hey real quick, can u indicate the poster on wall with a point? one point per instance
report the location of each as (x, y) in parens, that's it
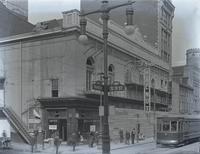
(92, 128)
(52, 127)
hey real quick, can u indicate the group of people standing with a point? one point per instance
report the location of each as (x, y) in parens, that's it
(77, 137)
(128, 136)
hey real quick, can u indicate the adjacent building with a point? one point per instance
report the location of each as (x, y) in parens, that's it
(188, 79)
(19, 7)
(50, 74)
(11, 24)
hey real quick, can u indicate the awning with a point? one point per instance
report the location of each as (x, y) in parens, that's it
(77, 102)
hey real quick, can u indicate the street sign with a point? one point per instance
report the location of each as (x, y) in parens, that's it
(116, 86)
(98, 85)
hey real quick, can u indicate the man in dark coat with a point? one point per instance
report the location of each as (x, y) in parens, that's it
(133, 136)
(127, 137)
(121, 136)
(91, 139)
(74, 139)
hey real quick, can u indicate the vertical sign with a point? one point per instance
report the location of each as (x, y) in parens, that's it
(147, 90)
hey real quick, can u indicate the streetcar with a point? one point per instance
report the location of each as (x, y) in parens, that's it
(177, 130)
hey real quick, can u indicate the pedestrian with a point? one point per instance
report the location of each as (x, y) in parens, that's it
(127, 141)
(97, 137)
(4, 141)
(121, 135)
(133, 136)
(91, 139)
(74, 139)
(79, 137)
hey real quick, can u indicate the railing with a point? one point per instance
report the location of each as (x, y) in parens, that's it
(18, 124)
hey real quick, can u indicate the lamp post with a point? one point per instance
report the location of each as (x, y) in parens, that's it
(105, 9)
(154, 110)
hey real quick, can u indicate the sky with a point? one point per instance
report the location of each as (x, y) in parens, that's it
(186, 21)
(41, 10)
(186, 31)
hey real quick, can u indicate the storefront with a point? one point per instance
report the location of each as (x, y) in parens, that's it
(63, 116)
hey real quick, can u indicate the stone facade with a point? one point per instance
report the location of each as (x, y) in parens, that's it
(52, 71)
(153, 18)
(188, 78)
(182, 97)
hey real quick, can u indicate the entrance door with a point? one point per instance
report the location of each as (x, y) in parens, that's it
(63, 129)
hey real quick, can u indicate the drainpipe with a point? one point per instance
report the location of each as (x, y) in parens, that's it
(21, 75)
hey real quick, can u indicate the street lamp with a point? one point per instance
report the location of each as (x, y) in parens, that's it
(105, 9)
(83, 38)
(154, 108)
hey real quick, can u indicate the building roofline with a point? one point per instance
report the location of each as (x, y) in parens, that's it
(15, 14)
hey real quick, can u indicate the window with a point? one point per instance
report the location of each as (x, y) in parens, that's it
(159, 127)
(180, 126)
(165, 83)
(89, 73)
(166, 126)
(173, 126)
(54, 91)
(165, 44)
(161, 83)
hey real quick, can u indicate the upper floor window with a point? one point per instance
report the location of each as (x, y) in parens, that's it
(89, 72)
(161, 83)
(165, 44)
(54, 87)
(166, 17)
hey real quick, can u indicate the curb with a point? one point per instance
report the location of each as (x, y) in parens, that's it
(132, 145)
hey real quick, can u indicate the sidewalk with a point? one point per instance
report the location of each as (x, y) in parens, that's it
(80, 149)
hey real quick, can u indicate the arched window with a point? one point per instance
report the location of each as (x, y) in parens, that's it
(89, 72)
(111, 74)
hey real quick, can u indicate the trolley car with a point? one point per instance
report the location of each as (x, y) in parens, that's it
(177, 130)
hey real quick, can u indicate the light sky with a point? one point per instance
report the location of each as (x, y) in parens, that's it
(41, 10)
(186, 31)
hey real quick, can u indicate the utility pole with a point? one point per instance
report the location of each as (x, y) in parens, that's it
(105, 10)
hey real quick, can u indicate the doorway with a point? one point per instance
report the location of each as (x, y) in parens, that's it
(62, 128)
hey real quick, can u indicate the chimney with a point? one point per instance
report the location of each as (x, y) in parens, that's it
(70, 18)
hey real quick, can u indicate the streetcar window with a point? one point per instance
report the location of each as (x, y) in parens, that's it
(166, 127)
(173, 125)
(180, 126)
(159, 127)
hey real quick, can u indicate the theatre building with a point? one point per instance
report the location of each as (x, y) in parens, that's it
(49, 78)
